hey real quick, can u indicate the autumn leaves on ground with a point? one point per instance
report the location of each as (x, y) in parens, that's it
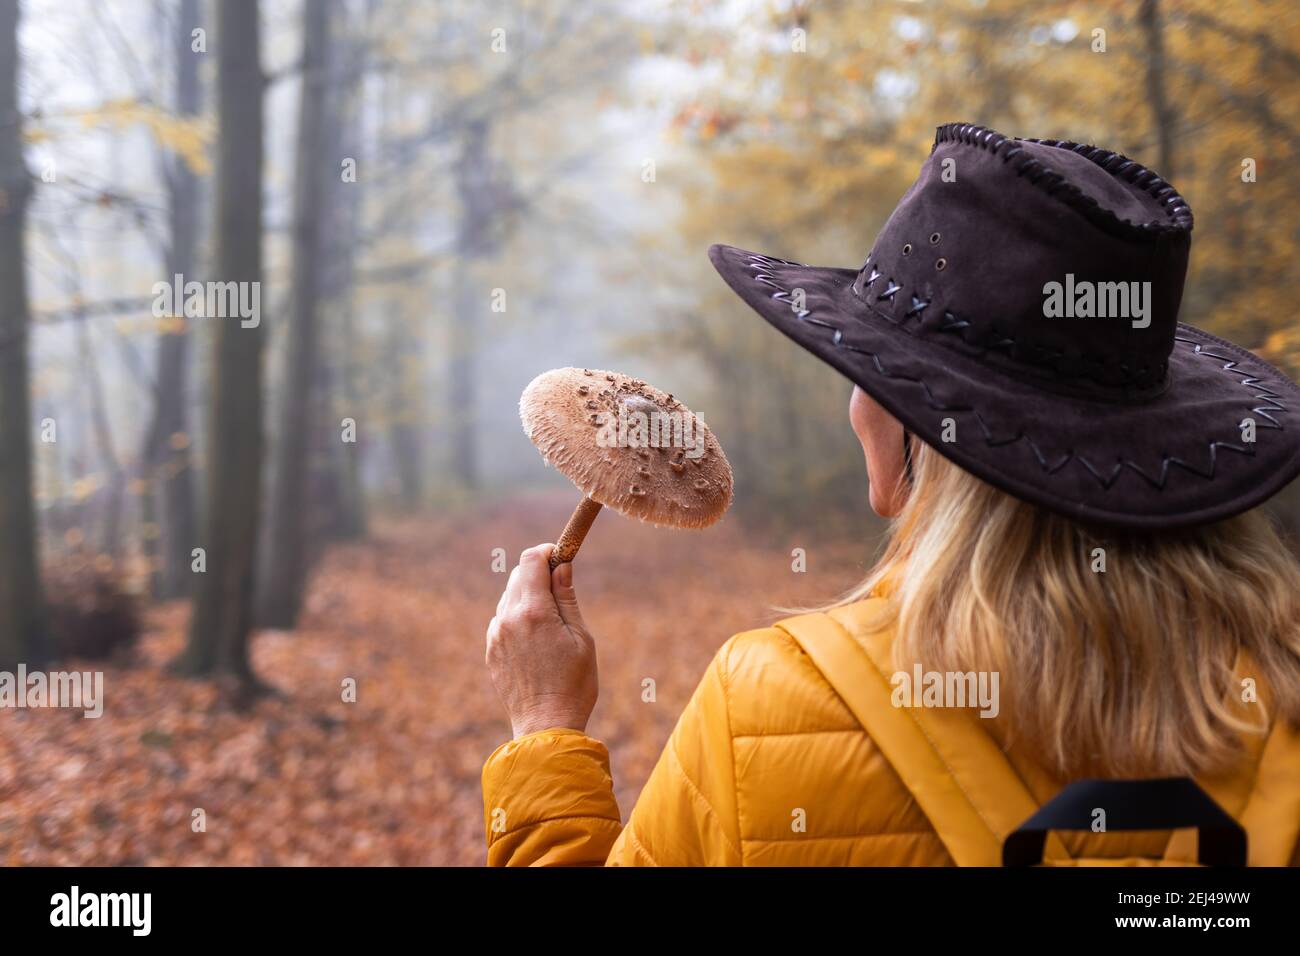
(303, 778)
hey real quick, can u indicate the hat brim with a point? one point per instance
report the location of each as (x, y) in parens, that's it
(1176, 459)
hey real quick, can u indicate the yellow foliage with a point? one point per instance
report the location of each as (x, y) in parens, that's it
(189, 137)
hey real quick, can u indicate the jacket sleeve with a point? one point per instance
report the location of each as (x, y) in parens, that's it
(548, 798)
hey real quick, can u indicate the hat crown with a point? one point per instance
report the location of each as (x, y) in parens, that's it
(1052, 259)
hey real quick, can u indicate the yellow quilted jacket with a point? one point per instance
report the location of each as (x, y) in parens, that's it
(768, 766)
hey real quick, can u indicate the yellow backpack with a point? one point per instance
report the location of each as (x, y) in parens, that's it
(986, 816)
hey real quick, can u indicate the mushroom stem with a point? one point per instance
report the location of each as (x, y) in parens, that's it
(571, 537)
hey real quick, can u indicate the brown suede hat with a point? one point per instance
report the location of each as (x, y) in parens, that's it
(1019, 314)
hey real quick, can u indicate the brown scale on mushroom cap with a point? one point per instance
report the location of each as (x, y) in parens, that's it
(656, 488)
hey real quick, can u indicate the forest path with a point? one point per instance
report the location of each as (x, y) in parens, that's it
(303, 778)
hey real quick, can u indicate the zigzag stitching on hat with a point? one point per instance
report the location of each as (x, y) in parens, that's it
(931, 400)
(772, 260)
(1118, 165)
(1107, 482)
(1047, 357)
(1249, 381)
(1167, 461)
(918, 306)
(951, 323)
(1033, 446)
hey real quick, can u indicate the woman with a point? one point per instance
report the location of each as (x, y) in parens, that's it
(1075, 585)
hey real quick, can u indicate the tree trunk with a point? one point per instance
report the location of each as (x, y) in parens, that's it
(351, 521)
(223, 602)
(339, 506)
(406, 451)
(167, 457)
(401, 353)
(1162, 112)
(21, 614)
(286, 566)
(402, 390)
(110, 528)
(474, 185)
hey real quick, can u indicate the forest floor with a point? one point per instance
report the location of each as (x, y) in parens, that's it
(303, 778)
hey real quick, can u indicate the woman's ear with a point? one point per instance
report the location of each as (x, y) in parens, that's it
(881, 435)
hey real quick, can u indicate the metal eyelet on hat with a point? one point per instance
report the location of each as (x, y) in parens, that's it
(934, 238)
(940, 264)
(907, 248)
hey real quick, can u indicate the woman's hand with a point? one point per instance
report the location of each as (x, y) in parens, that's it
(541, 656)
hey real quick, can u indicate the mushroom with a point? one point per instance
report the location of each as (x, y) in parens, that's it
(628, 446)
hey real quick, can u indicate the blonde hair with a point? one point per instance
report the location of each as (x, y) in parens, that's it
(1130, 672)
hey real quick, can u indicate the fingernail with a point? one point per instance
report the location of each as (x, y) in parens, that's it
(565, 575)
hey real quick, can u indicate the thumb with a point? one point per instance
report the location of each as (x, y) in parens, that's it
(566, 598)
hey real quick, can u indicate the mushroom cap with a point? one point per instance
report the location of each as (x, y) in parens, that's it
(628, 445)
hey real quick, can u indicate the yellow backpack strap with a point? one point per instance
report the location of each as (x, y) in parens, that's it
(1264, 797)
(959, 776)
(1272, 813)
(1265, 803)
